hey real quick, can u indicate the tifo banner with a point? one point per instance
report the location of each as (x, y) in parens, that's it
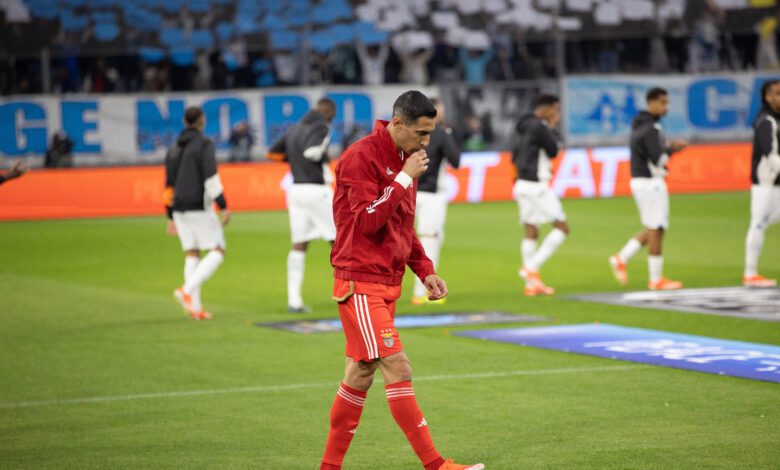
(138, 129)
(598, 110)
(483, 176)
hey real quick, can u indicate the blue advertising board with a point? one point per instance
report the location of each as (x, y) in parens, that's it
(660, 348)
(598, 110)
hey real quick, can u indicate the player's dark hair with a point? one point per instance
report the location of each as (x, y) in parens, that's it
(413, 105)
(765, 89)
(326, 102)
(546, 100)
(192, 114)
(655, 93)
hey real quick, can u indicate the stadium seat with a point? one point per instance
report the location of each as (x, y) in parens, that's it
(329, 12)
(144, 20)
(199, 6)
(201, 39)
(104, 17)
(183, 56)
(225, 31)
(171, 6)
(275, 22)
(230, 60)
(247, 25)
(172, 37)
(106, 32)
(151, 55)
(73, 22)
(367, 33)
(284, 40)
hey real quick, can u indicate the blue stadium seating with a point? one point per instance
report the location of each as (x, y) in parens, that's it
(284, 40)
(225, 31)
(106, 32)
(172, 37)
(151, 55)
(201, 39)
(183, 56)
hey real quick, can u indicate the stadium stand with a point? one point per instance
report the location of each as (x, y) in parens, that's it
(601, 36)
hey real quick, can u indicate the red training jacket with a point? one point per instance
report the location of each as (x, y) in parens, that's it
(374, 214)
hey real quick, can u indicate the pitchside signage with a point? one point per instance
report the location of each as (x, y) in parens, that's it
(659, 348)
(132, 129)
(598, 110)
(739, 302)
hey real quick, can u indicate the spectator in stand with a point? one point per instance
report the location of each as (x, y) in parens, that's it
(372, 60)
(59, 153)
(286, 66)
(766, 53)
(414, 68)
(102, 78)
(475, 64)
(505, 65)
(477, 133)
(241, 141)
(703, 18)
(344, 65)
(444, 65)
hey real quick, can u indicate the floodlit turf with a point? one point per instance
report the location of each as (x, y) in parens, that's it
(100, 369)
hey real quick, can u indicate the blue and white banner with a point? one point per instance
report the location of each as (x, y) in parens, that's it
(598, 110)
(660, 348)
(134, 129)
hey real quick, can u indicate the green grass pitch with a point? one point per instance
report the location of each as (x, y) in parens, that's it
(99, 369)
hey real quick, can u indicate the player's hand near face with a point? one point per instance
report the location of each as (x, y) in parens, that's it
(416, 164)
(437, 288)
(678, 144)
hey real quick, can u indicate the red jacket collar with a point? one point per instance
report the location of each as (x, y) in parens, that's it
(380, 130)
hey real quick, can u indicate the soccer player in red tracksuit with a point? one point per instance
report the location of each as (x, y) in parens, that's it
(375, 240)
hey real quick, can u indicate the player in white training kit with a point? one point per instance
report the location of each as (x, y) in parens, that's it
(537, 202)
(649, 157)
(431, 212)
(765, 179)
(310, 198)
(192, 187)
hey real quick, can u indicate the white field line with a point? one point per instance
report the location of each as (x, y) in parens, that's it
(299, 386)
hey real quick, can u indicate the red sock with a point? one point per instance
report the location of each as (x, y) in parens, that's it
(344, 419)
(403, 406)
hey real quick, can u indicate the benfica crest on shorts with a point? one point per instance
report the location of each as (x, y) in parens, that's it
(387, 337)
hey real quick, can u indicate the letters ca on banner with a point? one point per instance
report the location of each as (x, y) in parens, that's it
(598, 110)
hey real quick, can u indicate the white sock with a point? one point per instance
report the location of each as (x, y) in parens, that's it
(206, 268)
(551, 243)
(528, 249)
(629, 250)
(296, 263)
(190, 264)
(655, 264)
(432, 247)
(754, 243)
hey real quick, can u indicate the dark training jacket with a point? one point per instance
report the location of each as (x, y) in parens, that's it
(537, 145)
(191, 169)
(649, 154)
(765, 166)
(308, 133)
(441, 147)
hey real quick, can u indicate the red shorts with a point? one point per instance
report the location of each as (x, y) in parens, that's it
(368, 318)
